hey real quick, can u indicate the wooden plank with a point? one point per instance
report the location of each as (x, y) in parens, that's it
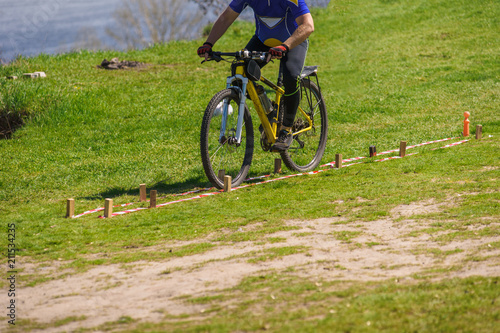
(108, 208)
(70, 208)
(227, 183)
(373, 151)
(152, 199)
(221, 174)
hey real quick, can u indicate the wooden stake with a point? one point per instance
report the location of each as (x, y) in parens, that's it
(479, 132)
(152, 199)
(70, 208)
(142, 193)
(277, 165)
(402, 149)
(108, 208)
(338, 161)
(373, 151)
(221, 174)
(227, 183)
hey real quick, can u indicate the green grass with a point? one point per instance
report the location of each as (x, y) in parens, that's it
(298, 305)
(389, 71)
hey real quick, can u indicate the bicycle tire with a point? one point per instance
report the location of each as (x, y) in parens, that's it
(233, 159)
(307, 149)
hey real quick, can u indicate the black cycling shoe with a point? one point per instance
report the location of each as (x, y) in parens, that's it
(283, 141)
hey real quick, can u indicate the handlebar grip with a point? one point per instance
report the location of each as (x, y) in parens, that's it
(242, 55)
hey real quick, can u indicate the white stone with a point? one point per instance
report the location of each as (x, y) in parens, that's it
(41, 74)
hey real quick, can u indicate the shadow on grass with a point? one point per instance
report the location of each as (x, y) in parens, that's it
(163, 188)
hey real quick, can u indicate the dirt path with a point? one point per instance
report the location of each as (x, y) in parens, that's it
(147, 291)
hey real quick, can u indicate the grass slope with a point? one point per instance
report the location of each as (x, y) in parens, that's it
(390, 70)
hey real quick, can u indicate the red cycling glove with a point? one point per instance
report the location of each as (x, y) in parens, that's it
(279, 51)
(206, 48)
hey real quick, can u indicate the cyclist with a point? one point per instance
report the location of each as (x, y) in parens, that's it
(282, 29)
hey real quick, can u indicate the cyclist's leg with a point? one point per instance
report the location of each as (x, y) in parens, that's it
(292, 65)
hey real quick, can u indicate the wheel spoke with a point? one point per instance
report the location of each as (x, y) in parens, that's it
(308, 147)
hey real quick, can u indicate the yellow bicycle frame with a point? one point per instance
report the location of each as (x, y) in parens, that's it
(270, 129)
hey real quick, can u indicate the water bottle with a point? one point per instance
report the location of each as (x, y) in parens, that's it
(264, 100)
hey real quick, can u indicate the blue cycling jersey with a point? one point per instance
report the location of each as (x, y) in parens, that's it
(274, 19)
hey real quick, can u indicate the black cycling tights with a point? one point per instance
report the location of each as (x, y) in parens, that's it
(292, 64)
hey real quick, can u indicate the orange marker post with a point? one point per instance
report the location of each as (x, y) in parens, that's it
(466, 123)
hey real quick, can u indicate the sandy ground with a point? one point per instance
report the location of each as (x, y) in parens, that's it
(147, 291)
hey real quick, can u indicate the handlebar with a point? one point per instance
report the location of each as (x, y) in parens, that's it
(240, 55)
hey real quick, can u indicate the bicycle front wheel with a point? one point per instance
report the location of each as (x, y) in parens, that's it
(219, 149)
(311, 122)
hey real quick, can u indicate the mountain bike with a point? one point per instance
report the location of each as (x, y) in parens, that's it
(227, 133)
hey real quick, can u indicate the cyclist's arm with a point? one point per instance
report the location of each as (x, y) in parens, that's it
(220, 26)
(305, 29)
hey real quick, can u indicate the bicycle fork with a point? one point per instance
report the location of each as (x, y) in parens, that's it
(241, 108)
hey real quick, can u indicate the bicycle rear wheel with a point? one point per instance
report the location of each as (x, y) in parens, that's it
(307, 148)
(219, 151)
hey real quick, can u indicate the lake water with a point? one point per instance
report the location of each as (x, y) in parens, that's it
(31, 27)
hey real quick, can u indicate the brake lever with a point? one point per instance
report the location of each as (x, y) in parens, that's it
(213, 58)
(269, 58)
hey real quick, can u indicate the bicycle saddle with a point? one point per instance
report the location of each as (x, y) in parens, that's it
(309, 70)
